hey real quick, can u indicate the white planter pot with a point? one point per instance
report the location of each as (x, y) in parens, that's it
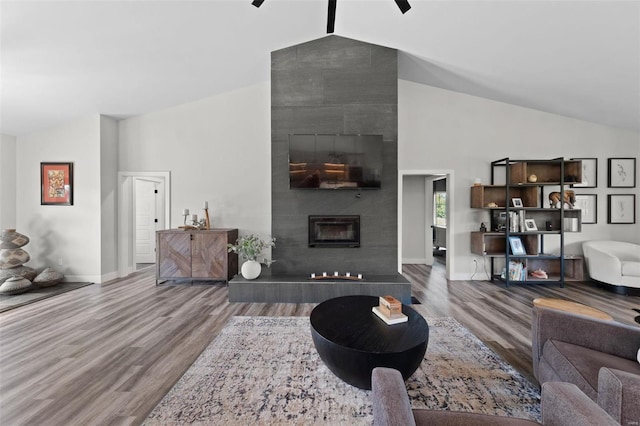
(251, 269)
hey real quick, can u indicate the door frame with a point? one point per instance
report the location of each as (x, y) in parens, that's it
(449, 174)
(126, 216)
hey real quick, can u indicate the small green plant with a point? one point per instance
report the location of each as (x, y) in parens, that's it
(251, 246)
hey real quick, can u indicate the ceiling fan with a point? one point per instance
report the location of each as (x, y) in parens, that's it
(331, 17)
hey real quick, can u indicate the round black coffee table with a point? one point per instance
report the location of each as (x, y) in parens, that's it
(352, 340)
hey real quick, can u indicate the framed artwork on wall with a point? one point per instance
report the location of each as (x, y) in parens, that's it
(622, 173)
(517, 248)
(589, 173)
(621, 208)
(588, 205)
(56, 184)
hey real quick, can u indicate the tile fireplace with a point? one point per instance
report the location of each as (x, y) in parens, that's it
(334, 231)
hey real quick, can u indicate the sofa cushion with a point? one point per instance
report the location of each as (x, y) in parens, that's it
(580, 365)
(631, 268)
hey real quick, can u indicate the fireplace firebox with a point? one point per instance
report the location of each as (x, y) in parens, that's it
(334, 231)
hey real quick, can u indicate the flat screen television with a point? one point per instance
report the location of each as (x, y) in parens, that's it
(320, 161)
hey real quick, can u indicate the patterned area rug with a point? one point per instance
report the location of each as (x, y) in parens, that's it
(265, 370)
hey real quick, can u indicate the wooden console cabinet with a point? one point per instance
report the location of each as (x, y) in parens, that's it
(195, 254)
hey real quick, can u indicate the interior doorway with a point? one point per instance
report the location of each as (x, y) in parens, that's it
(143, 207)
(418, 216)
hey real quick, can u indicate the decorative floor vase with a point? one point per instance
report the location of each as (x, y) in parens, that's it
(251, 269)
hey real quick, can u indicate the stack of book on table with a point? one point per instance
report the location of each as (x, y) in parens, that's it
(389, 310)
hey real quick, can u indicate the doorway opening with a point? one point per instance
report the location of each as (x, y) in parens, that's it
(143, 208)
(425, 205)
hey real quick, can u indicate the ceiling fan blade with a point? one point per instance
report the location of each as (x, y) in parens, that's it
(257, 3)
(403, 5)
(331, 17)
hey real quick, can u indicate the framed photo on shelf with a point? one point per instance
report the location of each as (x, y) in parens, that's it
(588, 205)
(621, 208)
(530, 225)
(589, 173)
(517, 202)
(622, 173)
(56, 184)
(516, 245)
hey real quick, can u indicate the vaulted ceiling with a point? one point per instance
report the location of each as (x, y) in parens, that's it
(62, 60)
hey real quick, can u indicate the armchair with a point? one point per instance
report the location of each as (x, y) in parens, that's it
(562, 405)
(598, 356)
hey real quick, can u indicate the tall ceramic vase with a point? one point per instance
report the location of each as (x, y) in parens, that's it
(251, 269)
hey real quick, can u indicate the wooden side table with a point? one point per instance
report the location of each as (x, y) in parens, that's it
(573, 307)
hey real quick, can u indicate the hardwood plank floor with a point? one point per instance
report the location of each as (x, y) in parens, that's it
(106, 354)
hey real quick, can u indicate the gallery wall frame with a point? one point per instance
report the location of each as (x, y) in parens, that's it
(589, 173)
(588, 205)
(621, 208)
(56, 184)
(622, 173)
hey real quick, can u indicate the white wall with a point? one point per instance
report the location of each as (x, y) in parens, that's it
(441, 129)
(217, 149)
(7, 181)
(413, 220)
(108, 196)
(67, 238)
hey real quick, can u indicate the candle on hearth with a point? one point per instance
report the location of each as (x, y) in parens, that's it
(206, 205)
(359, 276)
(324, 274)
(185, 212)
(348, 274)
(313, 275)
(194, 217)
(335, 274)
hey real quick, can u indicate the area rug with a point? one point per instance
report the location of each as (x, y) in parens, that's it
(265, 370)
(36, 294)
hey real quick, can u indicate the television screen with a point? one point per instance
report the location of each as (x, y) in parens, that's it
(335, 161)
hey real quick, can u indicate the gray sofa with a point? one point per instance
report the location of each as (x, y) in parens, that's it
(598, 356)
(562, 405)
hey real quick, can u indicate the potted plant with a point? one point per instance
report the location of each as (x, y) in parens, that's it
(249, 247)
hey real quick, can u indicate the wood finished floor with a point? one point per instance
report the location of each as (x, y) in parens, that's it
(106, 354)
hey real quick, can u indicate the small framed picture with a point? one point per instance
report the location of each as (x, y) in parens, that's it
(517, 202)
(56, 184)
(588, 205)
(530, 225)
(622, 173)
(621, 208)
(589, 173)
(516, 245)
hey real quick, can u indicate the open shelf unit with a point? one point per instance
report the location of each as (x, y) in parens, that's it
(530, 181)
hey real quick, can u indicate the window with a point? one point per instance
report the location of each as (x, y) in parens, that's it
(440, 208)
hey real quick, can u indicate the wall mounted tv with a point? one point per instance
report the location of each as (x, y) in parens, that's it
(320, 161)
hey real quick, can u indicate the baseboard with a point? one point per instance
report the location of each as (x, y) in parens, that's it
(82, 278)
(110, 276)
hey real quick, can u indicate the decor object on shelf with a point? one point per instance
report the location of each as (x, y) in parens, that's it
(622, 173)
(530, 225)
(589, 173)
(532, 178)
(516, 246)
(621, 208)
(207, 221)
(56, 184)
(483, 227)
(517, 202)
(15, 285)
(539, 274)
(568, 197)
(48, 278)
(615, 263)
(249, 247)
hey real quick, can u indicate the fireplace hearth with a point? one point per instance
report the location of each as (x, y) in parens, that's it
(334, 231)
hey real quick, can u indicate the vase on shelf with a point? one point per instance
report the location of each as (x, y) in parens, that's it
(251, 269)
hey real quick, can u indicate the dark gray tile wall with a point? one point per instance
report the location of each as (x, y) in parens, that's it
(334, 85)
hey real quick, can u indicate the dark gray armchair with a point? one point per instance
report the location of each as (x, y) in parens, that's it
(562, 405)
(598, 356)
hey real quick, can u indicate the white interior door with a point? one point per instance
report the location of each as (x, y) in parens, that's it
(146, 194)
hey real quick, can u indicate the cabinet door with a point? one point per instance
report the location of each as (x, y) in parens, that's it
(209, 258)
(174, 254)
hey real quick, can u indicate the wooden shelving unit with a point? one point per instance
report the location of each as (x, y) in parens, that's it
(527, 180)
